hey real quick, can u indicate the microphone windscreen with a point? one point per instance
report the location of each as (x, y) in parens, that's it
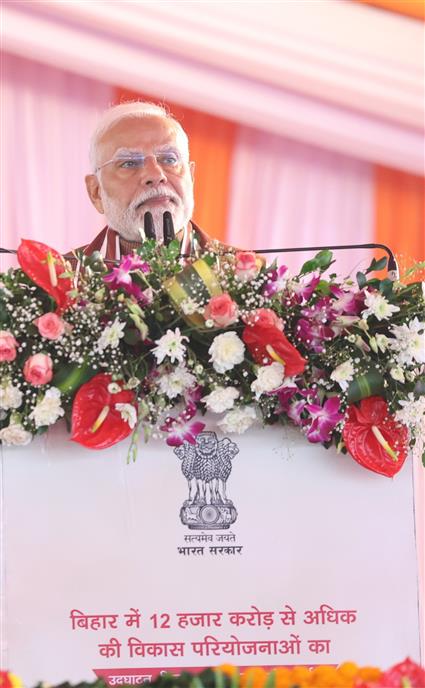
(149, 226)
(169, 233)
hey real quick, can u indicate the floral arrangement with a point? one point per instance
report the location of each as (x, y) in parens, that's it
(149, 345)
(407, 674)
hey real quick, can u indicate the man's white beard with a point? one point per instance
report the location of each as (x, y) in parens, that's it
(128, 222)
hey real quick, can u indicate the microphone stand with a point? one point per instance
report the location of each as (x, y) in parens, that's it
(392, 268)
(393, 271)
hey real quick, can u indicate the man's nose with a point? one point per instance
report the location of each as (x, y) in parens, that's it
(153, 173)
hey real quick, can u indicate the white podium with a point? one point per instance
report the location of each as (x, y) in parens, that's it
(111, 568)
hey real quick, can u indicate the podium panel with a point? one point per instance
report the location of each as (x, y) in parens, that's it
(258, 549)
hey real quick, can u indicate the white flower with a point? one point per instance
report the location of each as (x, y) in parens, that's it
(48, 410)
(221, 399)
(15, 434)
(412, 414)
(379, 342)
(343, 374)
(127, 413)
(238, 420)
(397, 374)
(409, 342)
(378, 306)
(189, 306)
(111, 335)
(226, 351)
(114, 388)
(10, 397)
(269, 378)
(174, 383)
(171, 345)
(132, 383)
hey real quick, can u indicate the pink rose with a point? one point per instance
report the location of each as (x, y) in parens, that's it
(38, 369)
(222, 310)
(264, 317)
(247, 265)
(8, 346)
(50, 326)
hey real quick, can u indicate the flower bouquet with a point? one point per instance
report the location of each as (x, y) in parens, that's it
(147, 347)
(406, 674)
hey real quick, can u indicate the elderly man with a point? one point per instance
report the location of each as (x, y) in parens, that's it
(140, 160)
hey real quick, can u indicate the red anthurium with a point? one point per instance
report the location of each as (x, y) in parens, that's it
(407, 674)
(374, 438)
(101, 418)
(43, 265)
(266, 343)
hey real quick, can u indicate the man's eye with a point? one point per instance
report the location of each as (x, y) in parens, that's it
(168, 159)
(131, 163)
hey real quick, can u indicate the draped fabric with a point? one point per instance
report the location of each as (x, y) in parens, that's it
(410, 8)
(400, 214)
(211, 142)
(48, 115)
(325, 73)
(288, 194)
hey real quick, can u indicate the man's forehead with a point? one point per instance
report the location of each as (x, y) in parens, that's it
(140, 133)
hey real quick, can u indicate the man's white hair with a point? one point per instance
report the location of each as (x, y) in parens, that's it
(132, 109)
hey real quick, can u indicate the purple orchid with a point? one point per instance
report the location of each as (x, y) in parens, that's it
(193, 395)
(347, 302)
(120, 277)
(325, 418)
(303, 290)
(321, 312)
(180, 429)
(276, 281)
(284, 395)
(295, 411)
(313, 334)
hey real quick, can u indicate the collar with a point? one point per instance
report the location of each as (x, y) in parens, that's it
(113, 246)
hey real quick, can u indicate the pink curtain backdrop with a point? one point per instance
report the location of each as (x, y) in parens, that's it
(48, 116)
(329, 76)
(285, 193)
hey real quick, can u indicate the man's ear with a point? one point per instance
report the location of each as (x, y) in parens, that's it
(93, 190)
(192, 170)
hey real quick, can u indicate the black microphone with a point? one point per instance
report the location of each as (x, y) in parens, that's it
(168, 230)
(148, 226)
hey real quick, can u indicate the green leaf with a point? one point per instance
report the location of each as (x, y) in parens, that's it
(376, 265)
(386, 287)
(271, 680)
(323, 287)
(234, 681)
(131, 336)
(71, 376)
(324, 259)
(423, 459)
(173, 249)
(309, 266)
(367, 385)
(374, 283)
(210, 259)
(361, 279)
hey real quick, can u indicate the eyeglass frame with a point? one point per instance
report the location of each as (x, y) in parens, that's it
(128, 155)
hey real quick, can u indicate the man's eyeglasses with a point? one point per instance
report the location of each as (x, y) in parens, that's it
(135, 160)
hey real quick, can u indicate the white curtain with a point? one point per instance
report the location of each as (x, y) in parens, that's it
(47, 118)
(287, 194)
(330, 73)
